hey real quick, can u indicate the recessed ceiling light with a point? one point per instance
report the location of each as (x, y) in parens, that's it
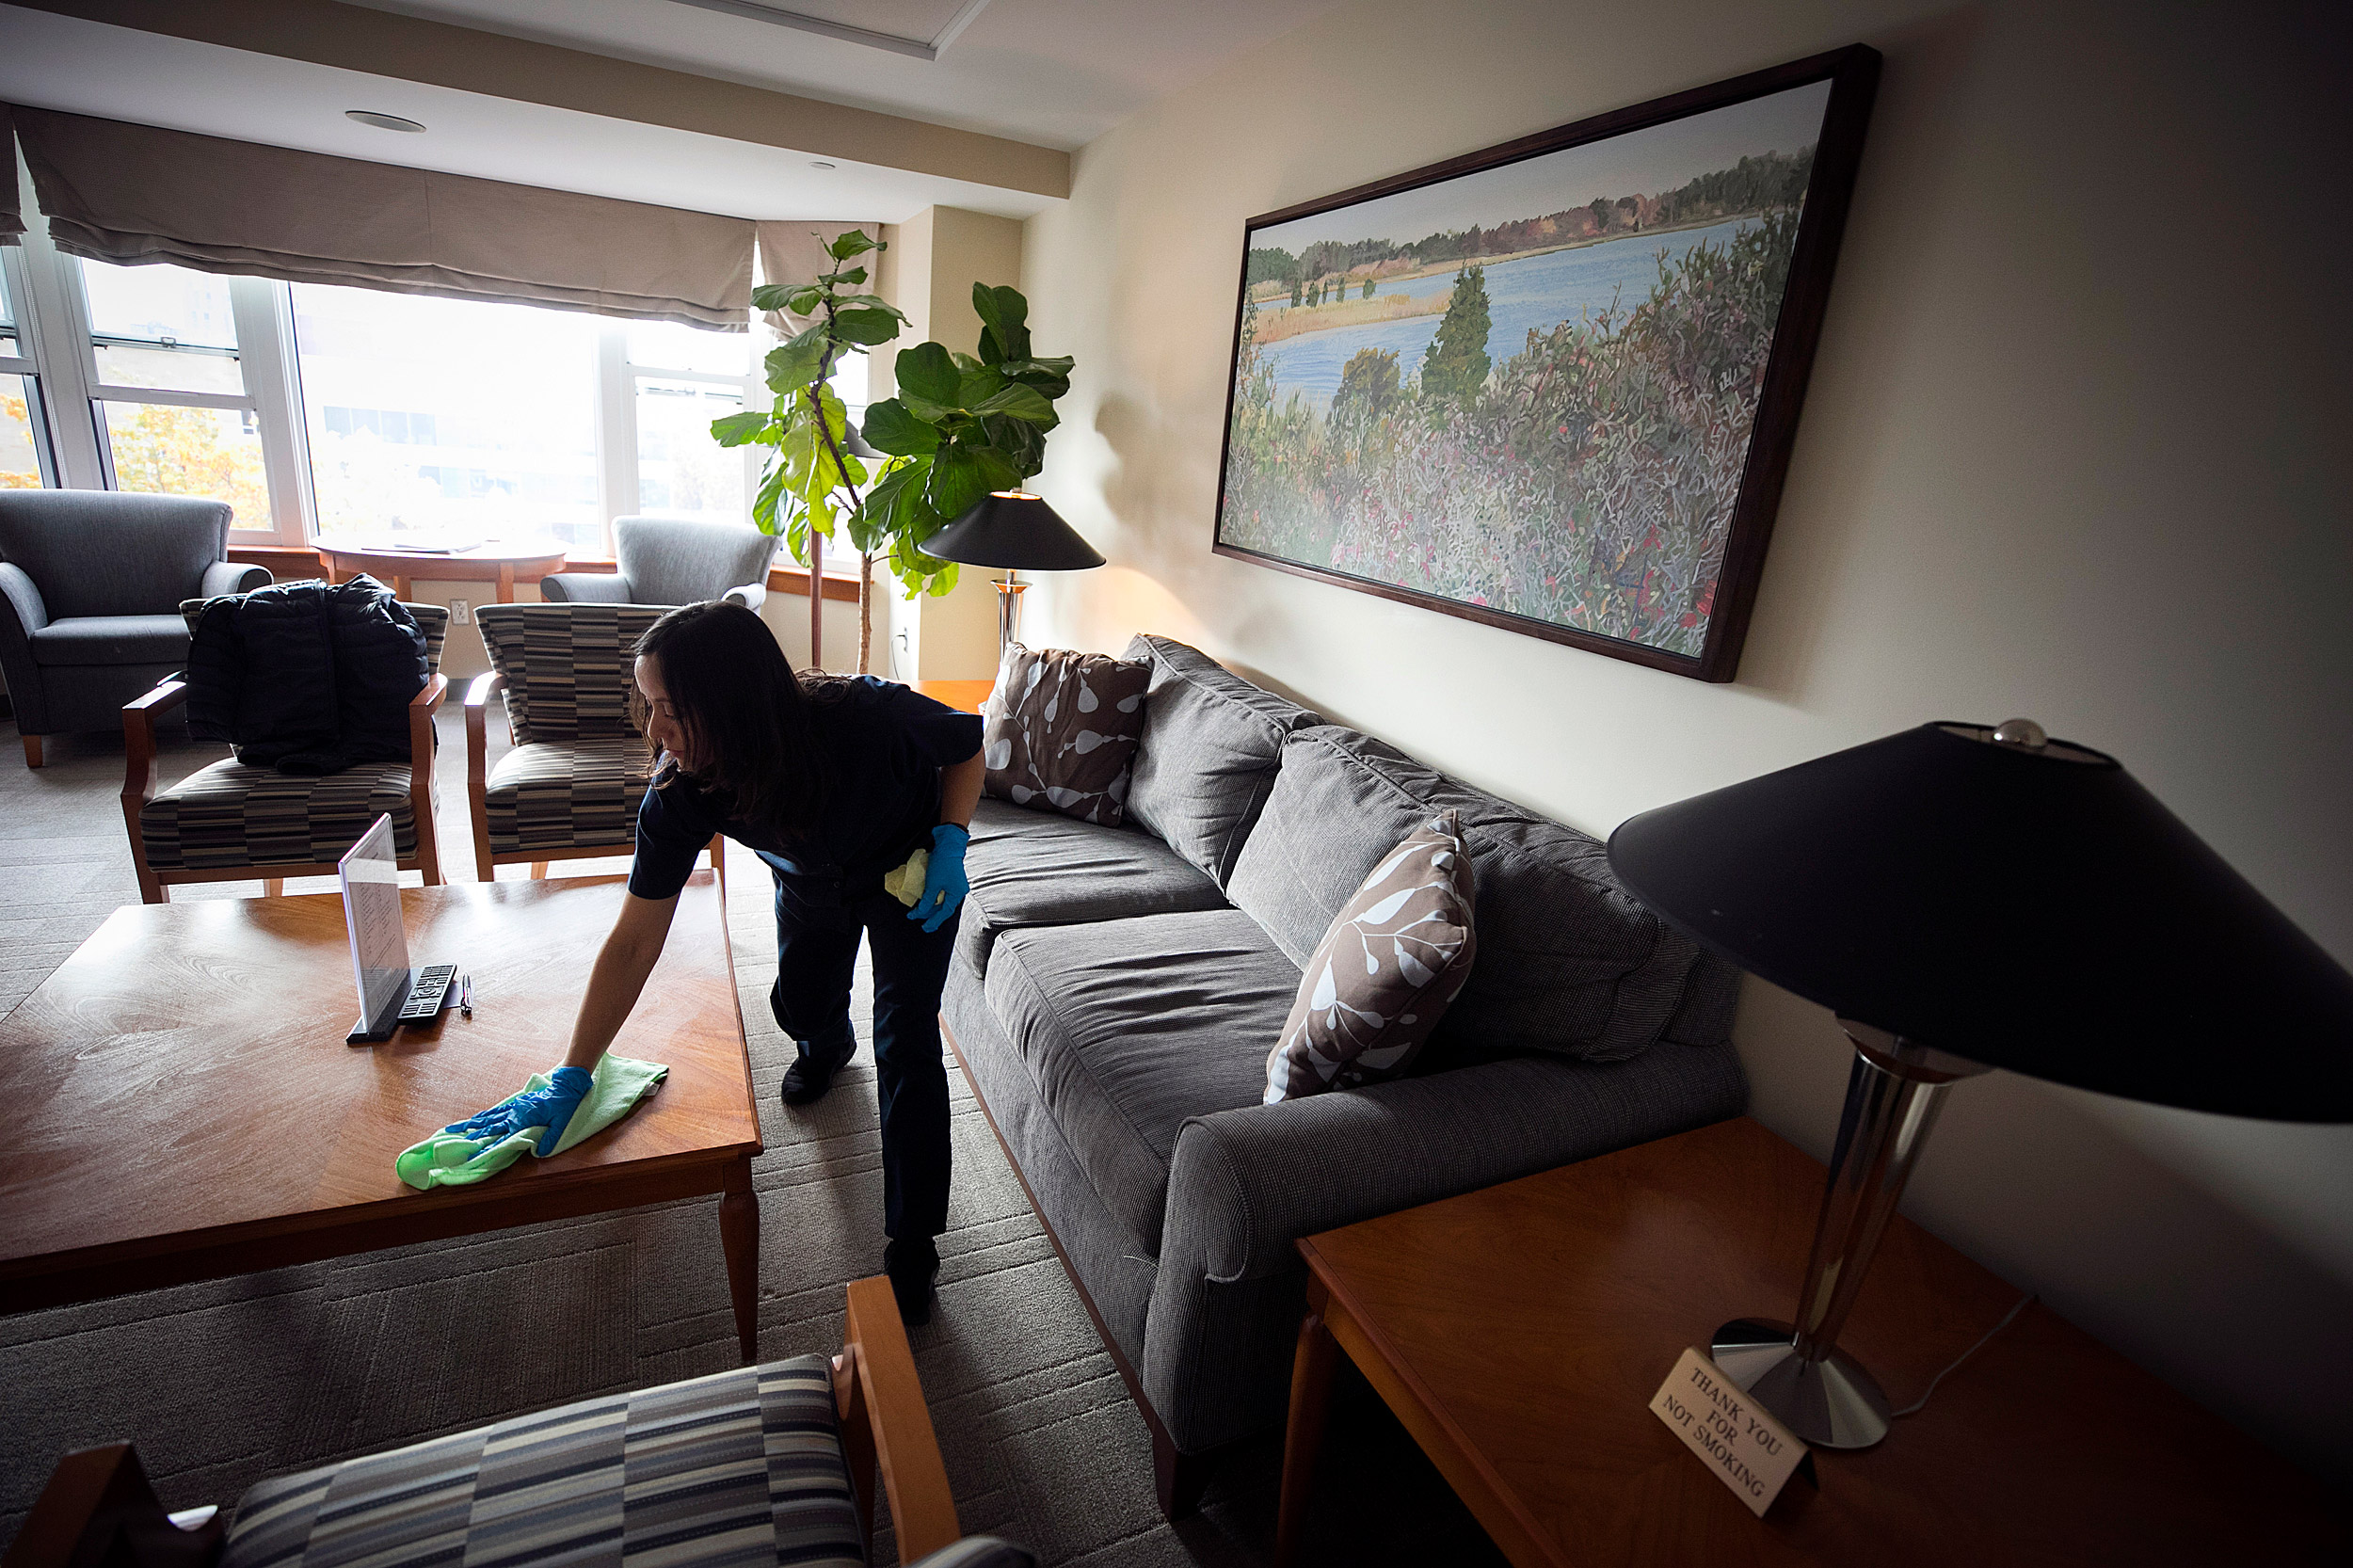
(819, 162)
(381, 121)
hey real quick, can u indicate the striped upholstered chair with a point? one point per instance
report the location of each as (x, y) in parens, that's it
(571, 786)
(775, 1463)
(230, 823)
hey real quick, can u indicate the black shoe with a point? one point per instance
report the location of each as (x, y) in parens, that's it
(809, 1077)
(911, 1263)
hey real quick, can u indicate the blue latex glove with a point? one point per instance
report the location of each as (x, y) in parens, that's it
(549, 1109)
(944, 882)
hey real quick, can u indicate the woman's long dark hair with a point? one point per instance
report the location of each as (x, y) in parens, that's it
(749, 715)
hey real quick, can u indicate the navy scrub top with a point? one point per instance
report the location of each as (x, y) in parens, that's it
(882, 747)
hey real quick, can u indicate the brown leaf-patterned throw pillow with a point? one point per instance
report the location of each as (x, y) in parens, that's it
(1060, 729)
(1394, 958)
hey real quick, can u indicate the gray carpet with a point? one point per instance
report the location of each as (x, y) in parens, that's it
(224, 1383)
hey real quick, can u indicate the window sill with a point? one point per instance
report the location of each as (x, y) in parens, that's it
(301, 561)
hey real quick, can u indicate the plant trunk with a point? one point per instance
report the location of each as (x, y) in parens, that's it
(865, 609)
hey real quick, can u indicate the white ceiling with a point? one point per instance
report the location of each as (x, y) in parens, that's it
(1053, 72)
(1056, 72)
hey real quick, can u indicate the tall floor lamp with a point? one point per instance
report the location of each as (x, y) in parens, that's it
(1966, 897)
(1018, 532)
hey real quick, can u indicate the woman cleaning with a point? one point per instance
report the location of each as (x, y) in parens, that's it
(833, 781)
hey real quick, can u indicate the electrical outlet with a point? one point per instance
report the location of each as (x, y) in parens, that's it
(460, 612)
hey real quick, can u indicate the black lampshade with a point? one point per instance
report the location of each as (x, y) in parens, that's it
(2030, 908)
(1013, 528)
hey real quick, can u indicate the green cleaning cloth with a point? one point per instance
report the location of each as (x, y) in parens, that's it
(446, 1159)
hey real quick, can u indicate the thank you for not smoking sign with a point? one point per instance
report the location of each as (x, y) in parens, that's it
(1749, 1451)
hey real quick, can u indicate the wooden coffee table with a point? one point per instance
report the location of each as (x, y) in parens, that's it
(1519, 1333)
(182, 1105)
(499, 561)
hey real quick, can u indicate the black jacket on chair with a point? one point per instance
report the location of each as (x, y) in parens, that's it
(305, 676)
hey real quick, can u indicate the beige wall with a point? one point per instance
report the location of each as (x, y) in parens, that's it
(933, 260)
(2074, 449)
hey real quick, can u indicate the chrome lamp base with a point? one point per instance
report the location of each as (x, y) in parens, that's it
(1795, 1370)
(1831, 1403)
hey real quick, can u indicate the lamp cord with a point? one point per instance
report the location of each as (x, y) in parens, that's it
(1913, 1408)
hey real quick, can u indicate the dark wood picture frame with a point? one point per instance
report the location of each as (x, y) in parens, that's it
(1852, 75)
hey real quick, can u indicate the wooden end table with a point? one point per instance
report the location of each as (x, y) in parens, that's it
(499, 561)
(965, 694)
(183, 1106)
(1519, 1333)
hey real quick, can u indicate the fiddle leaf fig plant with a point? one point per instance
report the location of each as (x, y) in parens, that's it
(959, 426)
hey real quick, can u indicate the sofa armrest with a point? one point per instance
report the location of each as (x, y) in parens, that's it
(23, 610)
(1247, 1183)
(749, 595)
(585, 588)
(232, 577)
(99, 1506)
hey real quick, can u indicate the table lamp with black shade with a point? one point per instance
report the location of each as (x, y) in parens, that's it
(1018, 532)
(1966, 897)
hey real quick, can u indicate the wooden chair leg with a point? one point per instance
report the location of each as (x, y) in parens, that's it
(719, 860)
(538, 871)
(32, 751)
(273, 886)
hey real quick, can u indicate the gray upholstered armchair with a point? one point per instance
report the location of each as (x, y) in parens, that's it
(674, 561)
(90, 586)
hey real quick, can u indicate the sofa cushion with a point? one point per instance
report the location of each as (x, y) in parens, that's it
(1211, 744)
(1059, 729)
(112, 640)
(1568, 960)
(1384, 975)
(1029, 868)
(1130, 1027)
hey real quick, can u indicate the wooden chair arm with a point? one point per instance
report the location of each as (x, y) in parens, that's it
(139, 740)
(99, 1509)
(421, 710)
(477, 737)
(887, 1426)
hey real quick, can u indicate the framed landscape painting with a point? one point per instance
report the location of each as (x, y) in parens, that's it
(1552, 386)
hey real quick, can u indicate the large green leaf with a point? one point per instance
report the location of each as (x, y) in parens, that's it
(866, 327)
(926, 372)
(765, 500)
(1004, 317)
(848, 277)
(869, 302)
(739, 429)
(958, 480)
(804, 301)
(945, 415)
(854, 243)
(979, 384)
(967, 364)
(890, 429)
(1017, 401)
(771, 296)
(797, 364)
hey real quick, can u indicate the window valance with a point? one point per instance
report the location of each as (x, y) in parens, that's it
(117, 192)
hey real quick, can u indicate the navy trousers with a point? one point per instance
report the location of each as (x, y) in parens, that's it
(816, 953)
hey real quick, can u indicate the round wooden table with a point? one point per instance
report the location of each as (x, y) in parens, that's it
(499, 561)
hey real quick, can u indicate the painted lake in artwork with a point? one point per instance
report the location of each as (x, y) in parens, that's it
(1534, 294)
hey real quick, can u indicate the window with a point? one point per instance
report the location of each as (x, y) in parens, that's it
(319, 410)
(24, 457)
(174, 416)
(450, 420)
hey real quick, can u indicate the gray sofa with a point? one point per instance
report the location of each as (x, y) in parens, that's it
(1115, 992)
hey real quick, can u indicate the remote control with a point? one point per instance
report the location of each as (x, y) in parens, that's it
(431, 990)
